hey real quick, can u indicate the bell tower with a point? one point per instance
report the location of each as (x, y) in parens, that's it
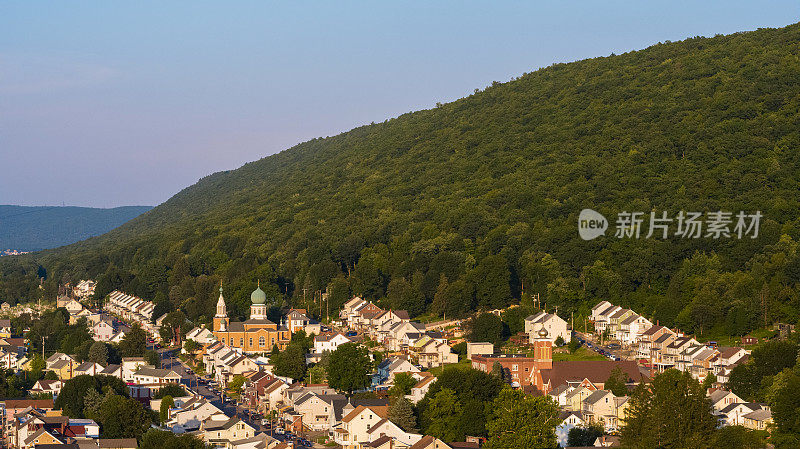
(221, 318)
(542, 350)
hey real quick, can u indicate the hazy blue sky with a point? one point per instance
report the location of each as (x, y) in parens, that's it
(117, 103)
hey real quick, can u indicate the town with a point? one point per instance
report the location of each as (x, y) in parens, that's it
(351, 382)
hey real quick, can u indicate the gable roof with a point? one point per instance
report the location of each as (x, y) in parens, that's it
(381, 411)
(594, 370)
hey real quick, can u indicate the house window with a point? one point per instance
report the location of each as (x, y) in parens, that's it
(241, 342)
(251, 341)
(261, 341)
(514, 367)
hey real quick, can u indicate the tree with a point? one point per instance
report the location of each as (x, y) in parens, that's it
(349, 367)
(709, 381)
(236, 384)
(98, 353)
(403, 382)
(134, 343)
(785, 404)
(152, 358)
(71, 398)
(584, 435)
(673, 411)
(317, 374)
(174, 390)
(291, 362)
(122, 417)
(444, 413)
(738, 437)
(402, 413)
(163, 412)
(573, 345)
(91, 403)
(492, 282)
(37, 366)
(475, 391)
(520, 421)
(485, 327)
(190, 346)
(617, 382)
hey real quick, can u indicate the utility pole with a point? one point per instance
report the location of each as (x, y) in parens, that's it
(42, 347)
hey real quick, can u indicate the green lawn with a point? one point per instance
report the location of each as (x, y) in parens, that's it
(581, 354)
(464, 364)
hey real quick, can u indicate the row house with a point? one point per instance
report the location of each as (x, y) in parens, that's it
(432, 352)
(602, 407)
(133, 309)
(671, 354)
(644, 351)
(598, 309)
(384, 321)
(225, 363)
(84, 288)
(403, 334)
(349, 311)
(554, 324)
(631, 329)
(601, 317)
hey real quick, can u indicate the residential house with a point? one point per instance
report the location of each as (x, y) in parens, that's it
(757, 419)
(297, 320)
(354, 427)
(419, 390)
(554, 324)
(568, 420)
(221, 433)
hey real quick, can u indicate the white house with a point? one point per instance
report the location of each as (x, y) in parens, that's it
(554, 324)
(329, 342)
(567, 421)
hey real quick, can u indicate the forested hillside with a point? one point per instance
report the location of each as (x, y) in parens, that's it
(474, 204)
(33, 228)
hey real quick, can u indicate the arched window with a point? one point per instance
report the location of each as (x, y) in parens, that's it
(261, 341)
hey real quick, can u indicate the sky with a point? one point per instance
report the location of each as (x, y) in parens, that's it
(112, 103)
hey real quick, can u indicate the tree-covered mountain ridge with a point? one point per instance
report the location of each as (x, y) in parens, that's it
(474, 202)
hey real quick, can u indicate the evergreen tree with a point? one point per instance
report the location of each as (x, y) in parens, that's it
(617, 382)
(98, 353)
(673, 411)
(402, 413)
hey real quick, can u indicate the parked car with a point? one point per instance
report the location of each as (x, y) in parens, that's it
(614, 346)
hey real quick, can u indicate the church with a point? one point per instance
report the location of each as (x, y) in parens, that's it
(258, 334)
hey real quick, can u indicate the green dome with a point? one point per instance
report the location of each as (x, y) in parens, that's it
(258, 296)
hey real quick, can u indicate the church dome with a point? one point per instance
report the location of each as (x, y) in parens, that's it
(258, 296)
(542, 332)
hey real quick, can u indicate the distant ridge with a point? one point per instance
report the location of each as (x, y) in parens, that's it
(33, 228)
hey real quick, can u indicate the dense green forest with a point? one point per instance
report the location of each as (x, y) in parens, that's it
(474, 204)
